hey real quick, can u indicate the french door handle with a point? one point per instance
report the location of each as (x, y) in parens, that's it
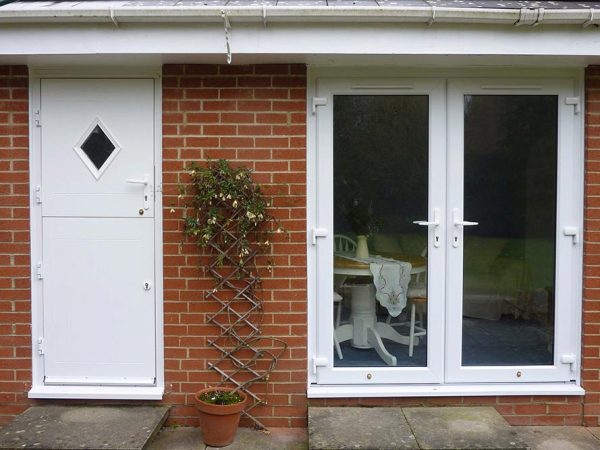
(465, 223)
(147, 188)
(458, 224)
(432, 223)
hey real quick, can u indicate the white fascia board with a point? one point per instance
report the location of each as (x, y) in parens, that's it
(292, 40)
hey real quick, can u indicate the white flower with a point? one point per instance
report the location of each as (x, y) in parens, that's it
(235, 204)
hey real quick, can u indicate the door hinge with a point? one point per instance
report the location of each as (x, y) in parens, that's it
(318, 362)
(318, 101)
(39, 271)
(571, 360)
(38, 194)
(317, 233)
(576, 102)
(40, 346)
(37, 118)
(573, 232)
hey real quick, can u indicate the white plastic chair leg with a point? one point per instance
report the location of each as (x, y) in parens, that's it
(338, 349)
(411, 335)
(338, 315)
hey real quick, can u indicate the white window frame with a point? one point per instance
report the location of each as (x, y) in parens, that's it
(319, 77)
(39, 389)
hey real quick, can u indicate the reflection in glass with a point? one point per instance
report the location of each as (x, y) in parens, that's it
(510, 160)
(380, 187)
(98, 147)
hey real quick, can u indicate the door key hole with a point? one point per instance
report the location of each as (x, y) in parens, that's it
(141, 212)
(147, 286)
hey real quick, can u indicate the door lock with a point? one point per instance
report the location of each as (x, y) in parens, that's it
(147, 286)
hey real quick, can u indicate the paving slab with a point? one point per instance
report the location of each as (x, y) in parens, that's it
(462, 428)
(359, 428)
(84, 427)
(558, 437)
(185, 438)
(595, 431)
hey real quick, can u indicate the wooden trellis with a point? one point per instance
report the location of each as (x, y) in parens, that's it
(246, 356)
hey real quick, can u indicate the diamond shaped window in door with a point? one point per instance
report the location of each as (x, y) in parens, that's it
(97, 148)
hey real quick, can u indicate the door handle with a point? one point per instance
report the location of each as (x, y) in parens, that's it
(147, 188)
(432, 223)
(459, 223)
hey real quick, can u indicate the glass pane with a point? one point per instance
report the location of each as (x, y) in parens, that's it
(98, 147)
(509, 258)
(380, 188)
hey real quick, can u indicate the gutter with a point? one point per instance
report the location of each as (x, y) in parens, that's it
(86, 13)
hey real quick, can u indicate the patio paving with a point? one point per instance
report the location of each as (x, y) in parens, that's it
(84, 427)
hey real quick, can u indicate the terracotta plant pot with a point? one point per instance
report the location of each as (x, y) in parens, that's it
(219, 422)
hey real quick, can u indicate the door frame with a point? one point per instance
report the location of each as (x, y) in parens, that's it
(567, 214)
(38, 389)
(316, 76)
(434, 89)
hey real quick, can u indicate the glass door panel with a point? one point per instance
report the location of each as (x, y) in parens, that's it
(377, 141)
(381, 318)
(504, 149)
(509, 257)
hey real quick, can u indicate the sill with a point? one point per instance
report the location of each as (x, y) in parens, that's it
(447, 390)
(97, 392)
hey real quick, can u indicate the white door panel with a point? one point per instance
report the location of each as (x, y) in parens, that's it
(98, 231)
(98, 317)
(70, 108)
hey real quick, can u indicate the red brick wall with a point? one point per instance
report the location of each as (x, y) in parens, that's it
(517, 410)
(591, 251)
(15, 311)
(255, 116)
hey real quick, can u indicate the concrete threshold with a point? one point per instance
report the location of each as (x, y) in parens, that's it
(84, 427)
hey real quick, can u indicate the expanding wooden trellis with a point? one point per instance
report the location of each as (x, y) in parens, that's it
(230, 211)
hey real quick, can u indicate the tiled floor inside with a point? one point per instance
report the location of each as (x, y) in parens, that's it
(507, 341)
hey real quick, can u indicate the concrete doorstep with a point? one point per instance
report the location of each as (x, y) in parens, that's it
(435, 428)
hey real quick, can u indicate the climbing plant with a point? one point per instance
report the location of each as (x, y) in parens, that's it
(228, 216)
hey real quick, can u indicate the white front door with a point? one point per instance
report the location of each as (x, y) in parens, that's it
(477, 184)
(97, 264)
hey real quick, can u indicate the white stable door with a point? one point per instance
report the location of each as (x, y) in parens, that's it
(97, 203)
(384, 144)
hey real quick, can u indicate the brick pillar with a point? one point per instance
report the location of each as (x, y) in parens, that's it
(15, 295)
(591, 252)
(253, 116)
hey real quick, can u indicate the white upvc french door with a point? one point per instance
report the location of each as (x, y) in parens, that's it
(483, 179)
(547, 249)
(356, 93)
